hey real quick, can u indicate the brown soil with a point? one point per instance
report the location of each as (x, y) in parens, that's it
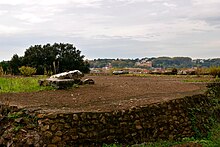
(109, 93)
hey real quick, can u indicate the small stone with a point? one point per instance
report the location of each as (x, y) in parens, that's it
(123, 124)
(74, 137)
(90, 135)
(75, 117)
(102, 120)
(169, 107)
(66, 126)
(171, 127)
(59, 127)
(39, 122)
(139, 127)
(185, 133)
(52, 116)
(137, 122)
(53, 127)
(181, 121)
(95, 134)
(65, 138)
(84, 129)
(1, 141)
(18, 120)
(133, 134)
(40, 115)
(73, 130)
(186, 119)
(110, 138)
(48, 134)
(137, 116)
(171, 137)
(112, 131)
(44, 128)
(30, 126)
(82, 135)
(61, 115)
(62, 120)
(58, 133)
(29, 141)
(94, 116)
(175, 118)
(89, 81)
(23, 130)
(176, 122)
(56, 139)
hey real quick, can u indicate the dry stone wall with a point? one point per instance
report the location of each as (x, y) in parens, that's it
(170, 120)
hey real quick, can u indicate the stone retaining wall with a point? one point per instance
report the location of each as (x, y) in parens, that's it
(170, 120)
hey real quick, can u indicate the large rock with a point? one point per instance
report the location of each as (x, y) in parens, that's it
(75, 74)
(59, 83)
(63, 80)
(89, 81)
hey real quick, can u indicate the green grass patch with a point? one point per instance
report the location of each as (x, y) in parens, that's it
(213, 140)
(21, 84)
(15, 115)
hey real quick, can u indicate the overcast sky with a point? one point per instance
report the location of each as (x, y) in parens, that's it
(113, 28)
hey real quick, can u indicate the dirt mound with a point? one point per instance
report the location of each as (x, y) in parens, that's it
(109, 93)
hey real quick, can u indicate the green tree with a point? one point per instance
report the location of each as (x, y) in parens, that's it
(70, 58)
(35, 57)
(55, 58)
(15, 63)
(175, 62)
(27, 71)
(5, 66)
(1, 71)
(174, 71)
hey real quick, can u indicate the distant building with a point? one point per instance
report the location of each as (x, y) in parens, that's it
(109, 65)
(94, 70)
(144, 63)
(138, 71)
(190, 71)
(158, 70)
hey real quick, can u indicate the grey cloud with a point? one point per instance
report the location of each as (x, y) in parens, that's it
(113, 28)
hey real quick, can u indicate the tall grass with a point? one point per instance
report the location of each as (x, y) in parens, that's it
(20, 84)
(214, 71)
(212, 140)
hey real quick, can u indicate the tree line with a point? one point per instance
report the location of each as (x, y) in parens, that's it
(60, 57)
(48, 59)
(159, 62)
(117, 63)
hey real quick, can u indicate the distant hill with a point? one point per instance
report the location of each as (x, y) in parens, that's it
(162, 62)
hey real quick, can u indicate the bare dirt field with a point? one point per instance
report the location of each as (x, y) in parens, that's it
(109, 93)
